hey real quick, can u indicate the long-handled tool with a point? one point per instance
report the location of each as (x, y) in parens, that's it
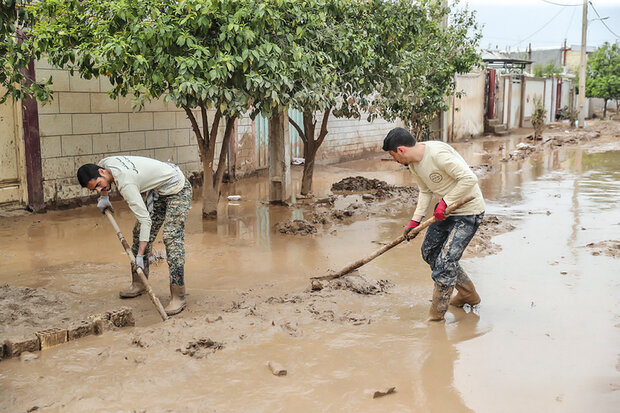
(149, 290)
(391, 245)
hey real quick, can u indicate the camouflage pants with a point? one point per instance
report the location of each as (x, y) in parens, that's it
(171, 211)
(444, 244)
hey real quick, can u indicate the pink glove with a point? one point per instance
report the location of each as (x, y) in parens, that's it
(410, 227)
(439, 209)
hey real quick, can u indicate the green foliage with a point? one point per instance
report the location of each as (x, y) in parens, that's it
(15, 55)
(538, 118)
(550, 69)
(417, 58)
(603, 73)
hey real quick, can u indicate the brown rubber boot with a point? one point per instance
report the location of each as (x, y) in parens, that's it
(177, 299)
(135, 289)
(466, 295)
(439, 305)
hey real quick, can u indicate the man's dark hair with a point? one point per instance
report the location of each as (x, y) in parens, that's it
(398, 137)
(87, 172)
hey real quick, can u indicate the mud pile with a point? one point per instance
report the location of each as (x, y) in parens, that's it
(354, 282)
(608, 248)
(295, 227)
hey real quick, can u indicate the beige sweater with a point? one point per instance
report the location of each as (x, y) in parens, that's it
(443, 172)
(136, 174)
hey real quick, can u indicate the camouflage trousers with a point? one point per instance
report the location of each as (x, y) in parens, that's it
(171, 211)
(444, 244)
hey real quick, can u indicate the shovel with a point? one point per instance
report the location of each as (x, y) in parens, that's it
(419, 228)
(149, 290)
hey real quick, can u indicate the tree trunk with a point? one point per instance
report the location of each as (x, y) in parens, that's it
(311, 146)
(212, 180)
(210, 196)
(604, 109)
(306, 179)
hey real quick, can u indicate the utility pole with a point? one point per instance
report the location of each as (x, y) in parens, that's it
(582, 66)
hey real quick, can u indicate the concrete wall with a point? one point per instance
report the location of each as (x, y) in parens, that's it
(83, 125)
(515, 103)
(534, 89)
(468, 113)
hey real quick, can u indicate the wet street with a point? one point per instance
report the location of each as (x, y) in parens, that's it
(546, 337)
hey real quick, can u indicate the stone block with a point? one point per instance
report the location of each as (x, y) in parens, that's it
(156, 105)
(156, 139)
(77, 145)
(166, 155)
(178, 137)
(104, 84)
(115, 122)
(14, 346)
(50, 147)
(78, 84)
(81, 329)
(60, 78)
(132, 141)
(188, 154)
(123, 317)
(102, 103)
(85, 124)
(183, 121)
(54, 168)
(140, 121)
(125, 104)
(51, 337)
(56, 124)
(106, 142)
(164, 120)
(49, 107)
(71, 102)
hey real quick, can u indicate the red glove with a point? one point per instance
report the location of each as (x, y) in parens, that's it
(411, 226)
(439, 209)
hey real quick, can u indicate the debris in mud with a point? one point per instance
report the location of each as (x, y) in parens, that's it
(157, 256)
(291, 329)
(276, 368)
(523, 151)
(609, 248)
(296, 227)
(381, 393)
(213, 320)
(359, 184)
(482, 170)
(353, 282)
(201, 348)
(491, 226)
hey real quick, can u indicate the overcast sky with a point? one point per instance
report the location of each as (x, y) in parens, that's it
(513, 24)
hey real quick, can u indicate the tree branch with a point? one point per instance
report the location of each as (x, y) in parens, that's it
(296, 126)
(217, 178)
(205, 120)
(196, 128)
(323, 132)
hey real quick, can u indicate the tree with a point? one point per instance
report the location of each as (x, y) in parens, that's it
(15, 56)
(224, 56)
(603, 74)
(548, 70)
(418, 59)
(342, 51)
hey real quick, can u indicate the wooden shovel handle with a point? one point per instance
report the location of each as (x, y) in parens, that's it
(149, 290)
(392, 244)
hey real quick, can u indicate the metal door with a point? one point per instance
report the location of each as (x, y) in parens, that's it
(10, 183)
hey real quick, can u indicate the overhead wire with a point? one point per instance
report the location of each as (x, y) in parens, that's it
(560, 4)
(602, 21)
(544, 25)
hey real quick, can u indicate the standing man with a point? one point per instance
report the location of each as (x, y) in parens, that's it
(438, 169)
(168, 200)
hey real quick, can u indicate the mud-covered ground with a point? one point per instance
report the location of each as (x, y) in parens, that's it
(545, 337)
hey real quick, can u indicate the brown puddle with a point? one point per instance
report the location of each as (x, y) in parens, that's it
(545, 337)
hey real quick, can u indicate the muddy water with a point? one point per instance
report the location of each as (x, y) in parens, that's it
(545, 338)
